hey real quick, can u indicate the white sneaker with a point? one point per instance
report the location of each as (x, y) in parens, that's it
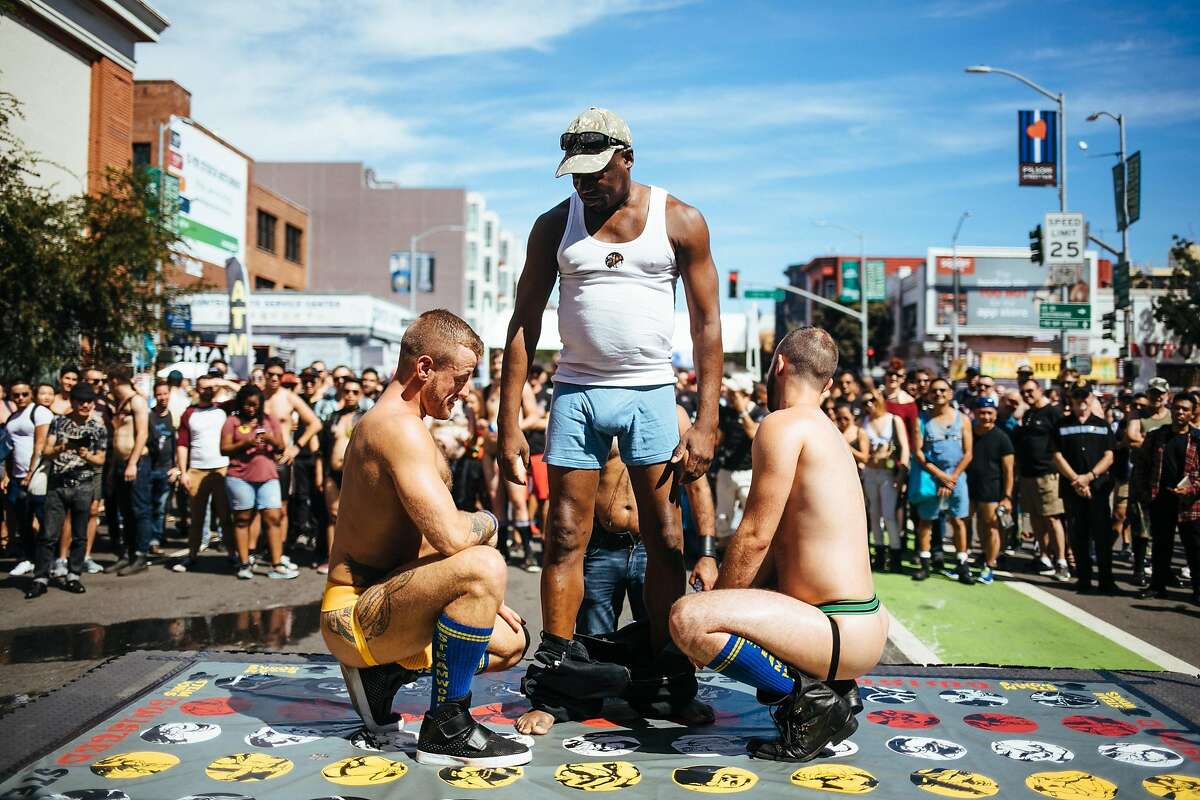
(91, 567)
(183, 564)
(24, 568)
(245, 572)
(1062, 574)
(59, 570)
(282, 572)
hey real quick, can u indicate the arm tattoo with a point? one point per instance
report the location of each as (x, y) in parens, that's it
(339, 622)
(362, 575)
(483, 525)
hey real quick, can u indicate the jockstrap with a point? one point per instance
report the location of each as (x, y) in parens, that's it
(837, 650)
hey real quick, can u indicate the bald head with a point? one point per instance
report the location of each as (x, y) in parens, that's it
(437, 334)
(810, 354)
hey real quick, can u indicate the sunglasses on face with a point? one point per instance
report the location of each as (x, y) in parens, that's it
(22, 394)
(274, 374)
(589, 140)
(940, 390)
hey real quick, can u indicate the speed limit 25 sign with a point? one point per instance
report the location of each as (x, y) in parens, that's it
(1063, 239)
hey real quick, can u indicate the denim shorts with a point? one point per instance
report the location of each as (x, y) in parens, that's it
(584, 420)
(955, 506)
(248, 495)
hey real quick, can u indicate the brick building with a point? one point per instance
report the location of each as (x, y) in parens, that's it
(274, 238)
(70, 63)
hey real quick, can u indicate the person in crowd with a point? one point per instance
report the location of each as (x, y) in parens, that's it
(1082, 445)
(103, 500)
(855, 436)
(1038, 479)
(7, 407)
(331, 396)
(943, 449)
(985, 387)
(179, 398)
(1171, 486)
(510, 500)
(887, 460)
(335, 440)
(290, 413)
(990, 483)
(1009, 411)
(829, 409)
(964, 398)
(251, 439)
(371, 386)
(77, 445)
(163, 472)
(28, 427)
(535, 434)
(1153, 412)
(43, 395)
(468, 482)
(922, 378)
(258, 378)
(737, 421)
(202, 467)
(130, 475)
(1119, 417)
(850, 392)
(68, 376)
(1024, 372)
(899, 401)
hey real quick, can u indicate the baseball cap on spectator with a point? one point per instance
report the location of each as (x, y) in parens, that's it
(84, 392)
(986, 401)
(175, 378)
(1080, 389)
(1159, 385)
(740, 382)
(1024, 366)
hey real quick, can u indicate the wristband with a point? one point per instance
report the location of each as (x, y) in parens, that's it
(708, 546)
(492, 517)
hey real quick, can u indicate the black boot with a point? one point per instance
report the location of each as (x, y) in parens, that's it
(879, 560)
(922, 572)
(896, 561)
(451, 737)
(808, 719)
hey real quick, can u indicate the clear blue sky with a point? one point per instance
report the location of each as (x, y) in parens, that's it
(763, 115)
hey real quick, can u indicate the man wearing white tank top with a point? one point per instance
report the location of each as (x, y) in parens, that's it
(618, 247)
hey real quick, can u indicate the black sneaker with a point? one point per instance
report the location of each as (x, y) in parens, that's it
(450, 737)
(139, 564)
(922, 572)
(36, 590)
(118, 565)
(372, 690)
(964, 574)
(811, 717)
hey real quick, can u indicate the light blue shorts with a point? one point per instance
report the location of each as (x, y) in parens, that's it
(584, 420)
(247, 495)
(957, 505)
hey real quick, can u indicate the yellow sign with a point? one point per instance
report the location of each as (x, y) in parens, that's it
(598, 776)
(1071, 785)
(480, 777)
(364, 771)
(954, 783)
(134, 765)
(714, 779)
(244, 767)
(1173, 787)
(840, 778)
(1045, 367)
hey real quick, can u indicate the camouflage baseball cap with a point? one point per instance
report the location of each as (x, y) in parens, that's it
(587, 159)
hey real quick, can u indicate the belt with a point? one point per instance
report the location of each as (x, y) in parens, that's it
(611, 540)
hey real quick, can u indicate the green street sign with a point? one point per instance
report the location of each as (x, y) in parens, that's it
(1072, 316)
(764, 294)
(876, 281)
(1121, 285)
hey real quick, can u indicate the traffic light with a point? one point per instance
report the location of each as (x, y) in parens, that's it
(733, 284)
(1035, 246)
(1110, 325)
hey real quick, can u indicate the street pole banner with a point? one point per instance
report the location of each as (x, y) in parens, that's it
(1037, 151)
(238, 352)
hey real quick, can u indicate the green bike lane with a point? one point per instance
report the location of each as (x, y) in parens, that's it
(997, 624)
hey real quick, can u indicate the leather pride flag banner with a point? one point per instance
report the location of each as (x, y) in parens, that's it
(1037, 148)
(238, 352)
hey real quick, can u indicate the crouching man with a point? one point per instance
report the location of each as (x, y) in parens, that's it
(794, 611)
(414, 584)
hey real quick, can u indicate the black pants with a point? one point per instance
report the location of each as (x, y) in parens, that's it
(1164, 516)
(301, 517)
(62, 500)
(1089, 522)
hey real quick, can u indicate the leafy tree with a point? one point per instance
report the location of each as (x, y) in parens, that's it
(847, 333)
(83, 276)
(1177, 309)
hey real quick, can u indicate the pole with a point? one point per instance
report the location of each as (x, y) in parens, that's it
(957, 280)
(862, 296)
(412, 275)
(1062, 152)
(1127, 327)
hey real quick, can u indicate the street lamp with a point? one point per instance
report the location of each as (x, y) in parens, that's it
(1059, 98)
(1120, 120)
(412, 260)
(862, 282)
(957, 272)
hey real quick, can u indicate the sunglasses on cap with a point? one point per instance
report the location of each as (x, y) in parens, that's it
(589, 140)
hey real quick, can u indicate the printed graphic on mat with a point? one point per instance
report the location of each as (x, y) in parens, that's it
(213, 706)
(1140, 755)
(973, 697)
(924, 747)
(598, 776)
(181, 733)
(708, 744)
(1000, 723)
(839, 750)
(602, 744)
(887, 696)
(954, 783)
(248, 767)
(839, 778)
(266, 736)
(1173, 787)
(894, 718)
(217, 796)
(1029, 750)
(1071, 785)
(1064, 700)
(1099, 726)
(364, 771)
(89, 794)
(714, 779)
(134, 765)
(480, 777)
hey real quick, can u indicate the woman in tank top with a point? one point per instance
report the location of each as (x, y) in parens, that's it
(856, 437)
(887, 454)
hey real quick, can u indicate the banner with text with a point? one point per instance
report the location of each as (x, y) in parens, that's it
(1037, 148)
(238, 351)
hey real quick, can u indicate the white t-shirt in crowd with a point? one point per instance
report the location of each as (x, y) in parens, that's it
(200, 432)
(22, 426)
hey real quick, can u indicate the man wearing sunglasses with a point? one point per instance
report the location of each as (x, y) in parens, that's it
(1038, 479)
(286, 408)
(619, 247)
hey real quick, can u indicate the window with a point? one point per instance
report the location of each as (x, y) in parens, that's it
(503, 251)
(141, 154)
(470, 295)
(472, 256)
(292, 240)
(472, 217)
(266, 231)
(263, 283)
(487, 233)
(487, 269)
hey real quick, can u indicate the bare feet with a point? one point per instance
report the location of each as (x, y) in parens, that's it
(535, 722)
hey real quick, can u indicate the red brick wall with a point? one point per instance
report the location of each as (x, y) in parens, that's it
(110, 120)
(263, 263)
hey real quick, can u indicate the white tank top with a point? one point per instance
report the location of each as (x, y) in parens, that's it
(616, 308)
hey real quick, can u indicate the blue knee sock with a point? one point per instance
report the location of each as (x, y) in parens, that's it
(745, 661)
(457, 651)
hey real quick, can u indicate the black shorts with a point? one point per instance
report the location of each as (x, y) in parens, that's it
(284, 471)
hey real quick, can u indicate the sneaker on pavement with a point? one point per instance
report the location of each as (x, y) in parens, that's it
(282, 572)
(323, 568)
(139, 564)
(118, 565)
(1062, 574)
(245, 572)
(451, 737)
(24, 568)
(963, 573)
(91, 567)
(59, 570)
(372, 690)
(183, 564)
(985, 575)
